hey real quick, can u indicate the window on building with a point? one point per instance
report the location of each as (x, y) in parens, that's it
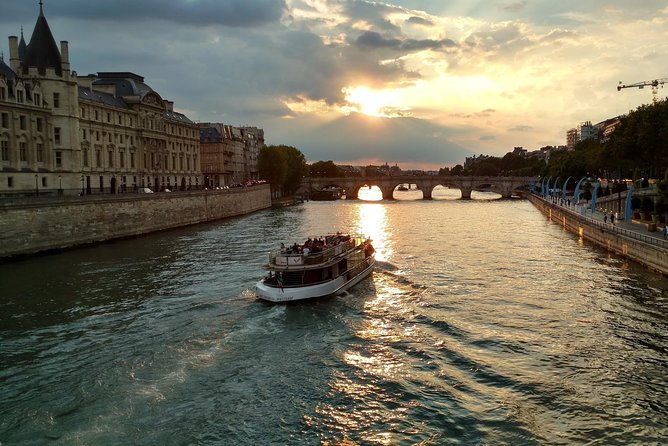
(132, 140)
(3, 94)
(97, 135)
(22, 122)
(23, 151)
(101, 183)
(4, 150)
(56, 135)
(56, 100)
(111, 158)
(84, 134)
(40, 152)
(109, 137)
(83, 112)
(39, 124)
(19, 96)
(108, 117)
(10, 182)
(59, 158)
(44, 182)
(37, 99)
(120, 119)
(4, 119)
(98, 158)
(85, 157)
(132, 160)
(122, 158)
(145, 163)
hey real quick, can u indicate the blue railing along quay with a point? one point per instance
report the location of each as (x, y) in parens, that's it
(620, 227)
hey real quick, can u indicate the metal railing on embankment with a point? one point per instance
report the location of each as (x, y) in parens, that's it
(617, 228)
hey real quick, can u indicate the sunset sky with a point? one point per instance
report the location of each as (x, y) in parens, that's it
(419, 83)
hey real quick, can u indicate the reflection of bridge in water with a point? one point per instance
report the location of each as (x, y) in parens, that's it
(505, 186)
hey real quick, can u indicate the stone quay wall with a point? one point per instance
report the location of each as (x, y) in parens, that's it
(644, 249)
(35, 225)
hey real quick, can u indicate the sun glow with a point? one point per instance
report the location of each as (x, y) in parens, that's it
(372, 103)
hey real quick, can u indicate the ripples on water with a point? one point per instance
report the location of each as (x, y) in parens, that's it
(483, 324)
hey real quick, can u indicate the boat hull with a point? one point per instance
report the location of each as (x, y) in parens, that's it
(326, 289)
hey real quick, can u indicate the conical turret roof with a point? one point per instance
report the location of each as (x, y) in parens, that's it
(42, 51)
(23, 48)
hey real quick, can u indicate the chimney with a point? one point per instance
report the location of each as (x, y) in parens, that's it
(64, 56)
(14, 61)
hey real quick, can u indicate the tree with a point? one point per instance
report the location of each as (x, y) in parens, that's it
(325, 169)
(296, 169)
(272, 167)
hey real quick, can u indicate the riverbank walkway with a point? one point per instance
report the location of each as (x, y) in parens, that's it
(633, 229)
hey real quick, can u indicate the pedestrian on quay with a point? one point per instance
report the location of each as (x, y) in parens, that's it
(605, 217)
(665, 231)
(612, 218)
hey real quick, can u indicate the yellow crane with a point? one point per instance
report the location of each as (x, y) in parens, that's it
(654, 84)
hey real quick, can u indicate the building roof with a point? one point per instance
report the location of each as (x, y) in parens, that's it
(126, 83)
(209, 135)
(42, 51)
(179, 117)
(23, 48)
(104, 98)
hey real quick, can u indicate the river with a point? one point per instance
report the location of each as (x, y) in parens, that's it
(483, 324)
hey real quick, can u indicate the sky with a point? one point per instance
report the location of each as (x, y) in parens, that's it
(418, 83)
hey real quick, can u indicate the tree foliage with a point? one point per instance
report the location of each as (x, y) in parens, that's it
(638, 148)
(283, 167)
(325, 169)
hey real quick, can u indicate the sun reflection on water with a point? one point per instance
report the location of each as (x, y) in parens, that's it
(372, 222)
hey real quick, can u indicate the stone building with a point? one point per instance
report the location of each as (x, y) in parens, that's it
(229, 154)
(108, 132)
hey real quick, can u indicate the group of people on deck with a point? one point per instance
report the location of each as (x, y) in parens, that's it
(315, 245)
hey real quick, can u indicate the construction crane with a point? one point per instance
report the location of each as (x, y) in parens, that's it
(654, 84)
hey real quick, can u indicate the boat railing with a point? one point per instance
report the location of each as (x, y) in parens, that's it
(280, 258)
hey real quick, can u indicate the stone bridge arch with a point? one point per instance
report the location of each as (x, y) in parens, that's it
(505, 186)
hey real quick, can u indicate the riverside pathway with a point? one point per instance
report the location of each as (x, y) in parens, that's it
(633, 229)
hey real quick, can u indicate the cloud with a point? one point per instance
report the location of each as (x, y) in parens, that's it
(487, 138)
(515, 7)
(414, 20)
(396, 140)
(521, 128)
(231, 13)
(371, 40)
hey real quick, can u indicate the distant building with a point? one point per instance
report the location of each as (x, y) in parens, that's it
(571, 138)
(469, 161)
(520, 151)
(229, 154)
(587, 131)
(108, 132)
(607, 127)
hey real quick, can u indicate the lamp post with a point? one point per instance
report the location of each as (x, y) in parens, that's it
(36, 186)
(60, 185)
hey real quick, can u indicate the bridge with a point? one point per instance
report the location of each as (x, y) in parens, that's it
(505, 186)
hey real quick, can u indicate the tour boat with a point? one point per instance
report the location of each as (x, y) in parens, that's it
(321, 267)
